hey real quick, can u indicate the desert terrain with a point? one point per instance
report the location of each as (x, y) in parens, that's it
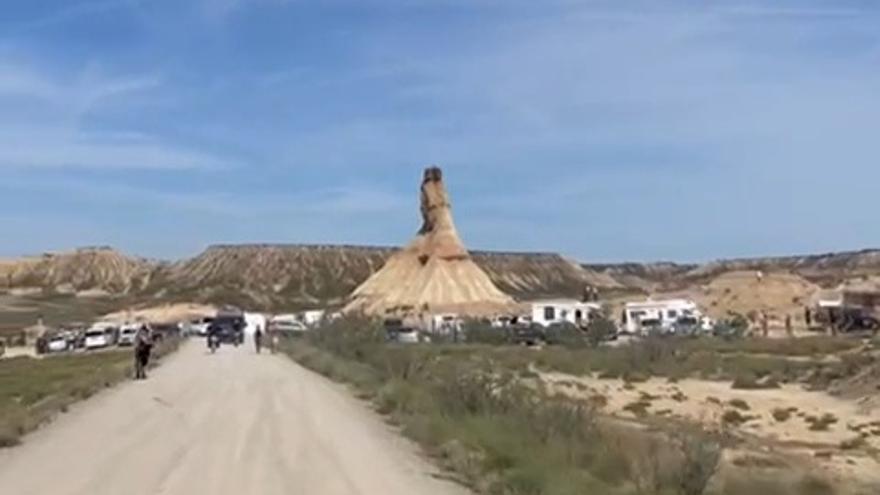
(228, 423)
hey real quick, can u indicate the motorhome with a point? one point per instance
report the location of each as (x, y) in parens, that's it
(546, 313)
(665, 316)
(445, 324)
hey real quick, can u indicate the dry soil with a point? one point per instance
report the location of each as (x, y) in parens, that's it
(229, 423)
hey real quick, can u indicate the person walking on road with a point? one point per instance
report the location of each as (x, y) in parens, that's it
(143, 347)
(258, 339)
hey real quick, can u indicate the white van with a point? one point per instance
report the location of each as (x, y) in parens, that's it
(98, 338)
(127, 335)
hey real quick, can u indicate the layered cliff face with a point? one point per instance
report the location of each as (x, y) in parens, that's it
(540, 275)
(96, 270)
(293, 276)
(270, 276)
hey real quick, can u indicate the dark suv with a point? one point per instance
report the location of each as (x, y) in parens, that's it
(230, 330)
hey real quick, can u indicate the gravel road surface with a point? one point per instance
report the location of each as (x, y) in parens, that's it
(223, 424)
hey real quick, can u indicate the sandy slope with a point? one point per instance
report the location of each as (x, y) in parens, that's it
(229, 423)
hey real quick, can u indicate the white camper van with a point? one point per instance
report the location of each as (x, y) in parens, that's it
(663, 316)
(546, 313)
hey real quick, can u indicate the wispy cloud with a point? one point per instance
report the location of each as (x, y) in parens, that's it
(59, 148)
(43, 125)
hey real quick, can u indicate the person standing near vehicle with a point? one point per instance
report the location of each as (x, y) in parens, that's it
(143, 347)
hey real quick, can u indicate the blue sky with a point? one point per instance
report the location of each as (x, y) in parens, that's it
(605, 130)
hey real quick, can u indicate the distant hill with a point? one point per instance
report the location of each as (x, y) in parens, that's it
(826, 270)
(289, 277)
(270, 277)
(96, 269)
(644, 277)
(285, 276)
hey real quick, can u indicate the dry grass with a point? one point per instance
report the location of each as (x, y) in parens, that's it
(468, 407)
(32, 391)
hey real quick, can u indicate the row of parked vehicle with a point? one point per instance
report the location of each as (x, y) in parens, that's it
(100, 335)
(234, 323)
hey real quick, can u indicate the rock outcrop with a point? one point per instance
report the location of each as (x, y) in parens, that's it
(434, 273)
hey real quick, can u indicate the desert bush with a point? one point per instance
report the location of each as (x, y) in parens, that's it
(468, 406)
(822, 423)
(781, 414)
(481, 332)
(701, 457)
(638, 408)
(599, 330)
(853, 443)
(567, 335)
(733, 417)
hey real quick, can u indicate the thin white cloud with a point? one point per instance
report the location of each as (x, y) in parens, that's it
(49, 148)
(44, 123)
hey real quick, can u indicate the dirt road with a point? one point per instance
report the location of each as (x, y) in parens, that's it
(229, 423)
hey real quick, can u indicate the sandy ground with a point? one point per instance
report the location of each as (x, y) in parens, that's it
(707, 401)
(229, 423)
(14, 352)
(168, 313)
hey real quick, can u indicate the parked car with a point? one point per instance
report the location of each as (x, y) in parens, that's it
(58, 343)
(200, 327)
(98, 338)
(127, 335)
(398, 332)
(287, 326)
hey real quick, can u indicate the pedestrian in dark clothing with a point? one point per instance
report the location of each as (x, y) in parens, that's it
(143, 347)
(258, 339)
